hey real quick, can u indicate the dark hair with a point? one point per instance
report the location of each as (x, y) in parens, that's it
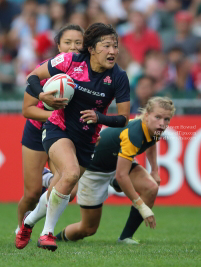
(68, 27)
(152, 52)
(144, 76)
(176, 48)
(94, 33)
(30, 2)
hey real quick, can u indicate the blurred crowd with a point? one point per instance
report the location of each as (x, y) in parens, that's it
(159, 41)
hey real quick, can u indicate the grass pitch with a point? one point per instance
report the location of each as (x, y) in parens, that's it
(176, 241)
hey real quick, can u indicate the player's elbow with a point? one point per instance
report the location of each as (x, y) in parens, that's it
(125, 119)
(32, 73)
(29, 75)
(119, 176)
(25, 112)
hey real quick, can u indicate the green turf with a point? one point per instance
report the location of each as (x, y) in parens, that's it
(176, 241)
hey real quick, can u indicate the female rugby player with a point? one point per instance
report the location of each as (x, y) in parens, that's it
(68, 39)
(70, 134)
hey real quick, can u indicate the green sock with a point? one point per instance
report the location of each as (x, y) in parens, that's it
(61, 236)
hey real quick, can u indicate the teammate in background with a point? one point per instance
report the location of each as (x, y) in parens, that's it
(68, 39)
(114, 158)
(70, 134)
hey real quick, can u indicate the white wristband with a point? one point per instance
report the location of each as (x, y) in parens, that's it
(143, 209)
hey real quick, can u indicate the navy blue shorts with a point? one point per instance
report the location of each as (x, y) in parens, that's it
(32, 137)
(52, 133)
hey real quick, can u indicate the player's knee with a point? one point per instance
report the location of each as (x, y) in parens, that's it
(32, 196)
(71, 177)
(90, 231)
(87, 230)
(152, 190)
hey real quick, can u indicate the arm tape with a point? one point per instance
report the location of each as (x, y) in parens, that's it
(143, 209)
(111, 121)
(35, 86)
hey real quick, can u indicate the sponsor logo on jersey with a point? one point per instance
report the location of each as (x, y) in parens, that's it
(78, 69)
(88, 91)
(57, 60)
(107, 80)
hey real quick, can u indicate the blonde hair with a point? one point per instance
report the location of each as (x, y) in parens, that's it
(163, 102)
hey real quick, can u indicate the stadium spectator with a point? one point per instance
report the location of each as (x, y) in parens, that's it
(101, 16)
(22, 36)
(99, 79)
(182, 35)
(171, 71)
(184, 81)
(196, 71)
(141, 39)
(166, 17)
(8, 11)
(79, 17)
(143, 92)
(7, 71)
(174, 56)
(92, 10)
(188, 4)
(171, 74)
(19, 27)
(116, 10)
(126, 62)
(155, 66)
(57, 15)
(148, 7)
(196, 27)
(44, 45)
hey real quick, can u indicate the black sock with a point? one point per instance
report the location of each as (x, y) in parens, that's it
(132, 224)
(61, 236)
(28, 226)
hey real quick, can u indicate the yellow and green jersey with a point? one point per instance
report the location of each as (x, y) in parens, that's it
(125, 142)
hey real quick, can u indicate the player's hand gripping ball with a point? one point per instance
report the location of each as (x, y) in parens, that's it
(64, 85)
